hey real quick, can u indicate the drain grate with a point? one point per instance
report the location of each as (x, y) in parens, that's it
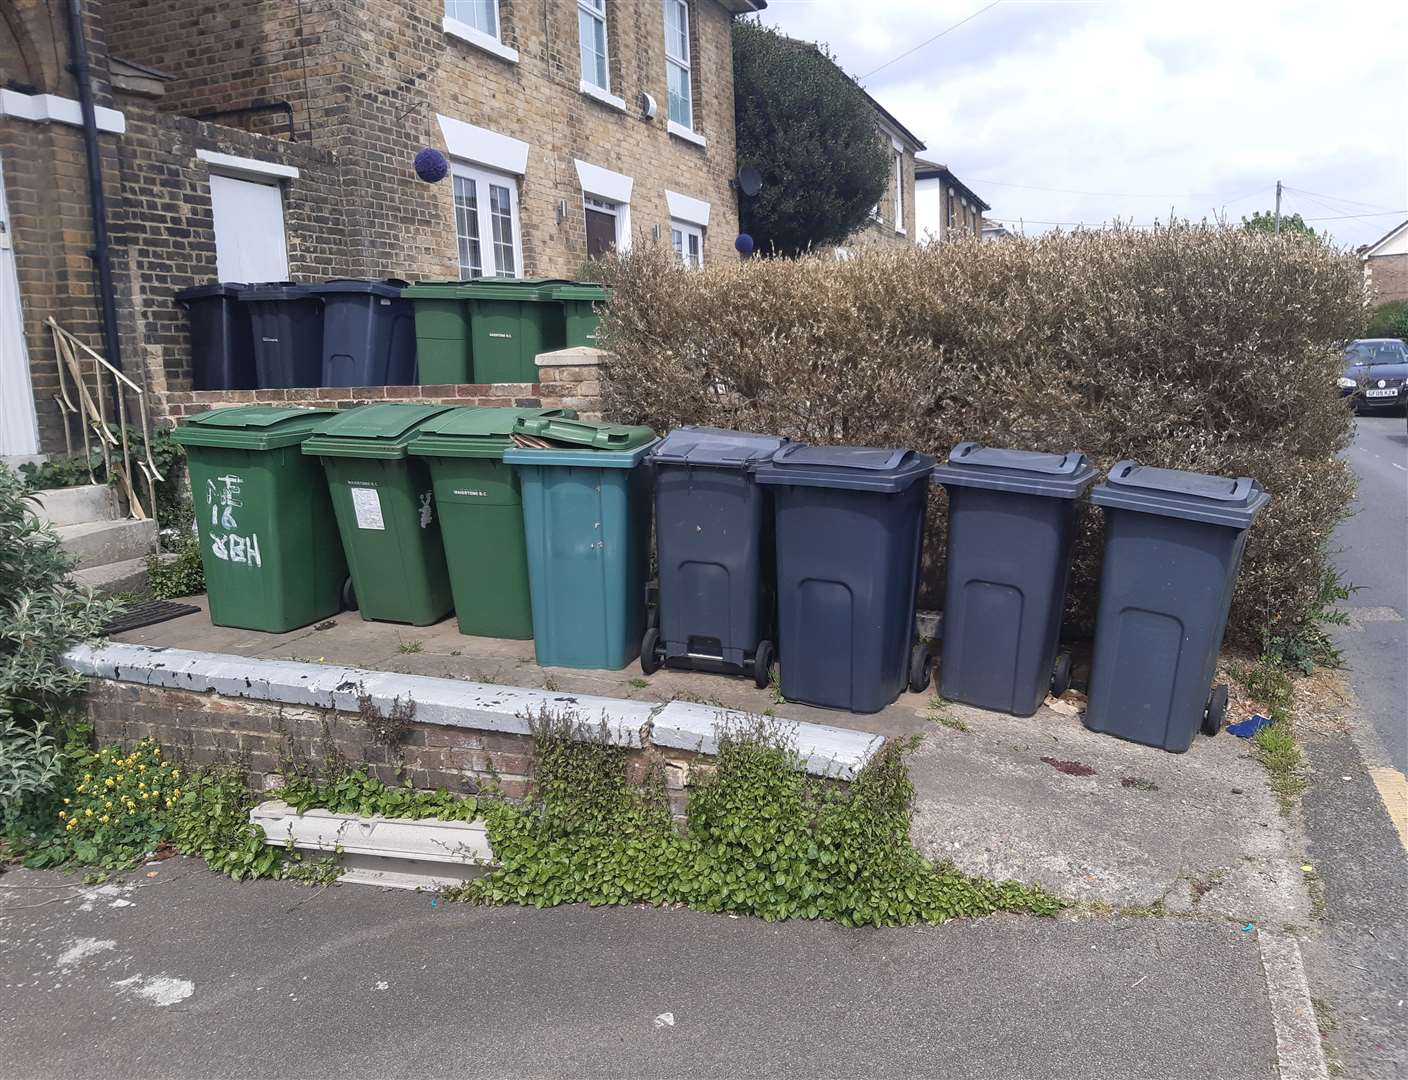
(147, 613)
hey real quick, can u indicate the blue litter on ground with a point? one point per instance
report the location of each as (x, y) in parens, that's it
(1249, 927)
(1245, 729)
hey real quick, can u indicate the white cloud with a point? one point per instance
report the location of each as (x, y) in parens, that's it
(1150, 107)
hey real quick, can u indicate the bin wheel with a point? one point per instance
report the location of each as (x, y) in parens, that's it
(921, 666)
(763, 657)
(1216, 711)
(650, 651)
(1061, 674)
(349, 595)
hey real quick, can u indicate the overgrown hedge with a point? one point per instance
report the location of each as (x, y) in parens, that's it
(1193, 347)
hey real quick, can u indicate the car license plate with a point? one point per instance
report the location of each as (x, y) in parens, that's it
(1391, 391)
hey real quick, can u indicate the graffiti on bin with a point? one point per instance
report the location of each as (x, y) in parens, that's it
(222, 497)
(427, 513)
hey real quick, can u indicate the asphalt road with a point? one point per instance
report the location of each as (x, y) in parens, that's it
(193, 975)
(1357, 962)
(1372, 553)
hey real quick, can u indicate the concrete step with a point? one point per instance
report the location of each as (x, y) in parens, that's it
(127, 576)
(77, 505)
(97, 543)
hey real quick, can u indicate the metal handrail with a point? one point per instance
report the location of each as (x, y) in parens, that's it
(93, 415)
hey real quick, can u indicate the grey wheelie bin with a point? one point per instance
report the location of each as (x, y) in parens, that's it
(1011, 521)
(286, 323)
(1173, 545)
(222, 352)
(369, 333)
(713, 540)
(849, 526)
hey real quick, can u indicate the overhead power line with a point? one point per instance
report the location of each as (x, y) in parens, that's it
(1337, 198)
(1123, 194)
(930, 41)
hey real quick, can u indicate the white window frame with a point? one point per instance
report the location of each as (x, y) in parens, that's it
(491, 43)
(596, 11)
(686, 230)
(899, 192)
(488, 255)
(681, 62)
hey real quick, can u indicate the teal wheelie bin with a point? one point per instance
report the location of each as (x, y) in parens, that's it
(586, 527)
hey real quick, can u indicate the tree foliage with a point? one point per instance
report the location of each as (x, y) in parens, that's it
(1291, 224)
(806, 126)
(1389, 320)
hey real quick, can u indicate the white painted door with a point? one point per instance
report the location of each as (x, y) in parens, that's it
(19, 430)
(249, 230)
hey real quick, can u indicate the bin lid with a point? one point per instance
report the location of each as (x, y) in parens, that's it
(577, 290)
(594, 459)
(214, 288)
(1213, 500)
(389, 287)
(278, 290)
(716, 447)
(1022, 472)
(372, 431)
(251, 427)
(583, 434)
(470, 432)
(856, 468)
(485, 288)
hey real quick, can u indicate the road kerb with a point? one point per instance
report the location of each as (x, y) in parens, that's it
(1299, 1053)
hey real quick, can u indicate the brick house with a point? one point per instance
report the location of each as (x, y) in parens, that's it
(268, 140)
(893, 220)
(948, 207)
(1385, 264)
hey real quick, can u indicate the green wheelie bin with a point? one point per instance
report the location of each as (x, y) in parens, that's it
(481, 516)
(586, 524)
(386, 511)
(578, 300)
(487, 330)
(268, 543)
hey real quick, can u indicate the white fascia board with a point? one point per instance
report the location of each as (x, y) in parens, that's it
(247, 167)
(687, 208)
(483, 147)
(50, 108)
(603, 183)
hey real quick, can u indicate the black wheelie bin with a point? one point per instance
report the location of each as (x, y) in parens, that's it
(369, 333)
(222, 351)
(849, 526)
(1011, 522)
(1173, 545)
(286, 323)
(713, 540)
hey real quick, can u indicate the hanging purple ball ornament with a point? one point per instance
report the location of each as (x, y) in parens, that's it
(431, 165)
(743, 243)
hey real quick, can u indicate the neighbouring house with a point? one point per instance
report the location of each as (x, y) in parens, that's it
(947, 206)
(268, 140)
(893, 219)
(1385, 264)
(994, 230)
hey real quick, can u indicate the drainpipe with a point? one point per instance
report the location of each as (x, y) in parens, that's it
(97, 203)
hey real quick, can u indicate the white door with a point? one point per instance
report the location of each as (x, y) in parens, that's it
(19, 430)
(249, 230)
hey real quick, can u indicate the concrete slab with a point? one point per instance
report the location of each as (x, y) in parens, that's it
(1198, 831)
(75, 505)
(95, 543)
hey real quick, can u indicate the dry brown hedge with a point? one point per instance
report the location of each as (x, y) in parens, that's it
(1194, 347)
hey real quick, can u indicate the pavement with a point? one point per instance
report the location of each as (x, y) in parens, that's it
(187, 974)
(1357, 953)
(1198, 832)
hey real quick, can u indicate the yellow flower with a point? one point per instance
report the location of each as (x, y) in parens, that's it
(156, 752)
(141, 768)
(72, 825)
(176, 793)
(107, 803)
(120, 777)
(87, 776)
(88, 813)
(104, 819)
(109, 781)
(156, 793)
(175, 774)
(63, 813)
(65, 801)
(169, 804)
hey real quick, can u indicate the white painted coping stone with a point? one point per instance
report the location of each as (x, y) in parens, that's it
(402, 853)
(680, 725)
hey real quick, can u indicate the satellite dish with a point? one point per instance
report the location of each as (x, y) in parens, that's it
(750, 181)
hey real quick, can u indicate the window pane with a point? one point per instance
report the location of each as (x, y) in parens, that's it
(677, 30)
(694, 257)
(480, 14)
(501, 219)
(591, 31)
(467, 227)
(680, 107)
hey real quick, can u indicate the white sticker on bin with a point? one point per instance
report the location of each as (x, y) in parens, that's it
(366, 504)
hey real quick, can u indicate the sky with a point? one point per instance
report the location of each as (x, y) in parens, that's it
(1059, 113)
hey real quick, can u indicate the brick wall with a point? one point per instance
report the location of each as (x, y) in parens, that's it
(366, 79)
(1386, 277)
(881, 230)
(207, 729)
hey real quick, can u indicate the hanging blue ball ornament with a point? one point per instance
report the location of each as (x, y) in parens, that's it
(743, 243)
(431, 165)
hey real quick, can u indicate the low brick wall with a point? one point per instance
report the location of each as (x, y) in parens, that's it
(263, 737)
